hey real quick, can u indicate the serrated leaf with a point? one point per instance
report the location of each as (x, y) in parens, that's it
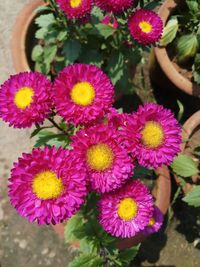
(41, 33)
(62, 35)
(72, 225)
(184, 166)
(49, 53)
(87, 260)
(71, 50)
(97, 14)
(45, 137)
(105, 30)
(169, 32)
(187, 46)
(115, 67)
(37, 52)
(88, 246)
(37, 130)
(45, 20)
(193, 197)
(127, 255)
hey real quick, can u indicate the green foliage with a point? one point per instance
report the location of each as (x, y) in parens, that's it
(46, 20)
(71, 51)
(187, 46)
(193, 197)
(86, 260)
(184, 166)
(127, 255)
(196, 68)
(169, 32)
(105, 30)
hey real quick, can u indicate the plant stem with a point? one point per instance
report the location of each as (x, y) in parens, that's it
(58, 127)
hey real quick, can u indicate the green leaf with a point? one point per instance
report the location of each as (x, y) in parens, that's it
(87, 260)
(41, 33)
(37, 52)
(37, 130)
(169, 32)
(181, 110)
(140, 172)
(105, 30)
(193, 5)
(152, 5)
(49, 53)
(97, 14)
(45, 20)
(184, 166)
(193, 197)
(42, 9)
(62, 35)
(126, 256)
(92, 57)
(74, 223)
(196, 68)
(115, 67)
(45, 137)
(71, 50)
(87, 246)
(187, 46)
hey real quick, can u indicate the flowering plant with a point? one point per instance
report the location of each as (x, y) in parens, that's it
(89, 172)
(110, 34)
(182, 37)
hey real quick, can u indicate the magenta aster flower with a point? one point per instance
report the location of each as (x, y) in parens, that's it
(145, 26)
(127, 211)
(155, 222)
(108, 164)
(82, 93)
(75, 8)
(48, 185)
(160, 135)
(25, 99)
(115, 6)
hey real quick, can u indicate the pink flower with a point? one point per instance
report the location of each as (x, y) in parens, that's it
(75, 8)
(82, 94)
(145, 26)
(48, 185)
(25, 99)
(158, 132)
(155, 222)
(127, 211)
(108, 164)
(110, 21)
(115, 6)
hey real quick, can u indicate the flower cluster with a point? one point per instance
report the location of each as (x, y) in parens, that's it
(145, 26)
(49, 185)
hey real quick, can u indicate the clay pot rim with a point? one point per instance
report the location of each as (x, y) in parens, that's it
(164, 61)
(19, 33)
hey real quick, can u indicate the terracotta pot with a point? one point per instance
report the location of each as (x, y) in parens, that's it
(188, 129)
(165, 64)
(161, 193)
(22, 34)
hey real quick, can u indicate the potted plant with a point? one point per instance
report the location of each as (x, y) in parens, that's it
(186, 166)
(178, 51)
(53, 37)
(90, 170)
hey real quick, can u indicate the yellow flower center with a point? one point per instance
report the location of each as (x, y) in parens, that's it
(83, 94)
(75, 3)
(46, 185)
(145, 26)
(152, 134)
(24, 97)
(127, 209)
(151, 222)
(99, 157)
